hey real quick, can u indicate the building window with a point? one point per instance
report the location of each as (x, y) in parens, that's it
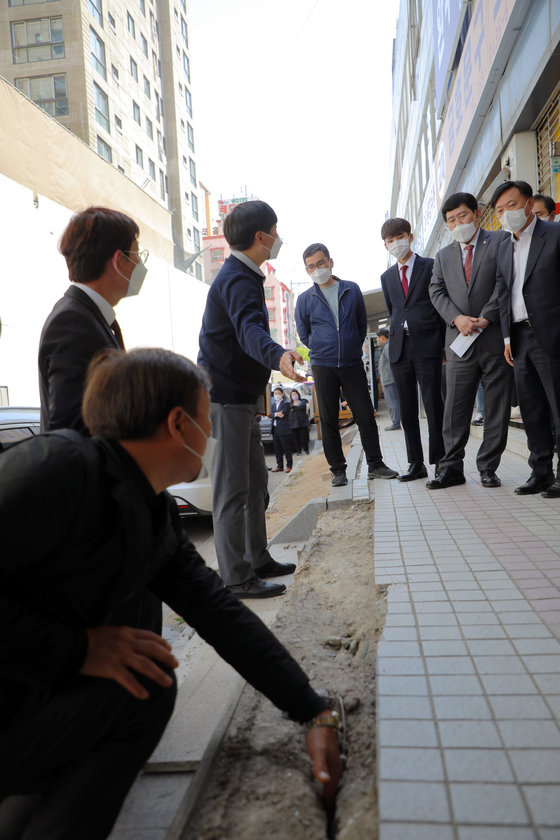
(96, 11)
(198, 271)
(133, 69)
(142, 6)
(149, 128)
(217, 254)
(147, 89)
(185, 32)
(139, 157)
(159, 145)
(115, 73)
(49, 92)
(196, 238)
(194, 205)
(187, 67)
(152, 169)
(184, 5)
(144, 45)
(268, 293)
(101, 107)
(120, 168)
(182, 125)
(154, 64)
(190, 136)
(131, 25)
(192, 170)
(37, 40)
(111, 20)
(97, 53)
(118, 123)
(162, 185)
(104, 150)
(136, 112)
(188, 101)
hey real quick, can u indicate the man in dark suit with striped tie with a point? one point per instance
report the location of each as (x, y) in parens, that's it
(104, 265)
(415, 346)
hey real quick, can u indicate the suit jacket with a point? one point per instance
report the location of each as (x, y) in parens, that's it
(73, 333)
(451, 296)
(100, 536)
(541, 286)
(282, 425)
(425, 326)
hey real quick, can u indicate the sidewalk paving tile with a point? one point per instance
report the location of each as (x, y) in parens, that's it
(468, 678)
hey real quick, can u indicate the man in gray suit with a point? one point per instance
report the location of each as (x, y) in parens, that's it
(463, 292)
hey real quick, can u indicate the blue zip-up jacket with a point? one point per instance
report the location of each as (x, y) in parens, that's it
(331, 346)
(235, 343)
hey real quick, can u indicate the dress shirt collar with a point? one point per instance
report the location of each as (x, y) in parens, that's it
(239, 255)
(525, 234)
(102, 304)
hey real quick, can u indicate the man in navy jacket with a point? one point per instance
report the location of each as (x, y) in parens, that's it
(237, 350)
(331, 320)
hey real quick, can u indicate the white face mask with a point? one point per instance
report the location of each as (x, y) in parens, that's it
(514, 220)
(399, 248)
(275, 247)
(136, 278)
(463, 233)
(278, 398)
(209, 449)
(321, 276)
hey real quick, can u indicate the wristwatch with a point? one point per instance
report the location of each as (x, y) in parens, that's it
(328, 717)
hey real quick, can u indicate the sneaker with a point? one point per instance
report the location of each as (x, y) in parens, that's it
(392, 428)
(478, 420)
(381, 470)
(339, 479)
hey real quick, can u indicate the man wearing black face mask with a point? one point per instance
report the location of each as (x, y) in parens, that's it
(104, 265)
(331, 320)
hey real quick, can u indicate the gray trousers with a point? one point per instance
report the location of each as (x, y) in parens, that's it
(462, 382)
(239, 490)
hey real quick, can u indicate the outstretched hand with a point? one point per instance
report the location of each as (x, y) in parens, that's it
(115, 652)
(322, 746)
(287, 360)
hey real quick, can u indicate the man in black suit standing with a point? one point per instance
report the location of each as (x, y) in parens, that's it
(415, 346)
(463, 292)
(104, 265)
(528, 286)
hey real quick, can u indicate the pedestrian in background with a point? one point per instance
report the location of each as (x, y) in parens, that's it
(281, 430)
(299, 423)
(388, 382)
(331, 320)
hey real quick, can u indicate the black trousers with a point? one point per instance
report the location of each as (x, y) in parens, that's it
(407, 372)
(68, 762)
(282, 446)
(300, 439)
(537, 378)
(353, 381)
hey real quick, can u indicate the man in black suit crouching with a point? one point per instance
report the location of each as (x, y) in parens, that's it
(528, 286)
(415, 346)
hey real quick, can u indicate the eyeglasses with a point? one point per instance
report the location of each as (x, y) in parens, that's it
(142, 255)
(319, 264)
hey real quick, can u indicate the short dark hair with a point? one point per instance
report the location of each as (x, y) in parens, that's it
(91, 237)
(383, 333)
(524, 188)
(456, 200)
(246, 218)
(312, 249)
(129, 395)
(548, 201)
(394, 227)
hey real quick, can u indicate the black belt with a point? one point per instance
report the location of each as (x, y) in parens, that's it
(524, 323)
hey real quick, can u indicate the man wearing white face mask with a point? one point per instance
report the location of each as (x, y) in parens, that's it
(529, 294)
(104, 265)
(331, 320)
(416, 345)
(463, 292)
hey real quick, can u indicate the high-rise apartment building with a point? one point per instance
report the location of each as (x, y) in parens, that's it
(117, 74)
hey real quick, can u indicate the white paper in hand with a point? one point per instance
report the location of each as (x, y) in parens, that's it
(463, 342)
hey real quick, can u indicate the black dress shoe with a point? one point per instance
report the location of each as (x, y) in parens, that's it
(553, 492)
(414, 471)
(273, 568)
(535, 484)
(257, 588)
(488, 478)
(446, 478)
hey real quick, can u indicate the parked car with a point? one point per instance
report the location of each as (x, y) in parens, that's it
(193, 498)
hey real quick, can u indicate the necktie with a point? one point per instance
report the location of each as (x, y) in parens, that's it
(404, 280)
(117, 333)
(468, 262)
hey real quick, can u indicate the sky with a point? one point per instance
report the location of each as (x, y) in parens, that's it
(292, 104)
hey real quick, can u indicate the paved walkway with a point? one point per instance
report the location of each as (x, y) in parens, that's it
(468, 685)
